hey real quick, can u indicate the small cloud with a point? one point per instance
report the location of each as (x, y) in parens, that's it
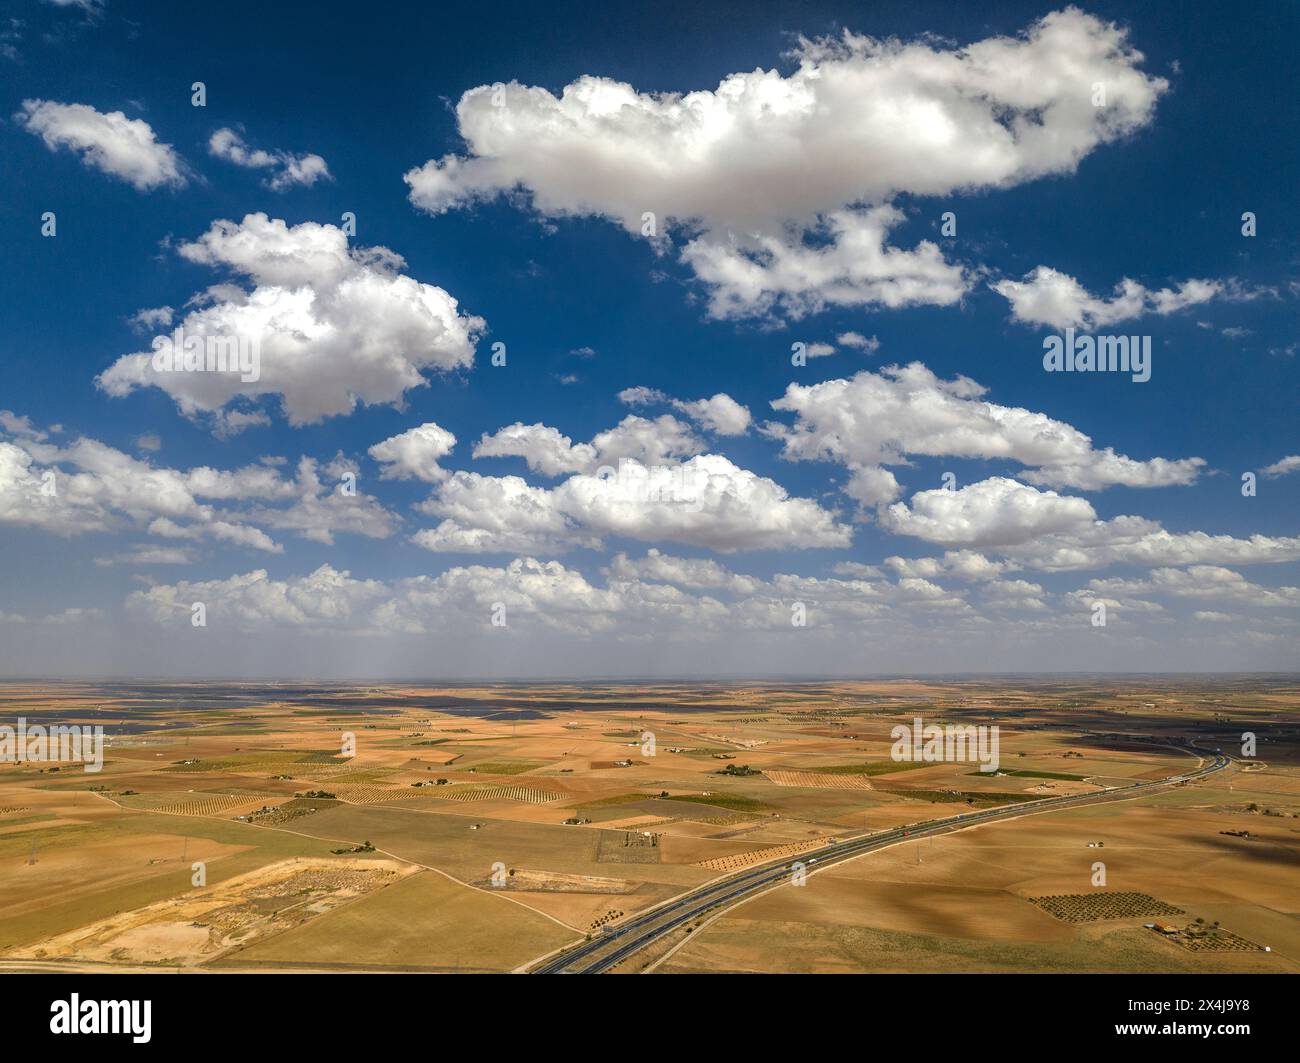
(20, 427)
(1284, 467)
(227, 423)
(287, 169)
(151, 319)
(641, 396)
(90, 7)
(149, 555)
(75, 615)
(857, 341)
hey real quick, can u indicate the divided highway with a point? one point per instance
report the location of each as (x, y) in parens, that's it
(618, 943)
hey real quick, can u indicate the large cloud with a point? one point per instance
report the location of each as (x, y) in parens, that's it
(1048, 297)
(112, 143)
(1133, 540)
(705, 501)
(538, 611)
(323, 508)
(334, 325)
(1202, 581)
(88, 486)
(254, 600)
(1044, 530)
(690, 572)
(661, 441)
(497, 514)
(753, 165)
(997, 512)
(851, 265)
(874, 419)
(415, 453)
(536, 596)
(967, 565)
(720, 414)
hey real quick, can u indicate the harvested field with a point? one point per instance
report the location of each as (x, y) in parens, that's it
(524, 880)
(206, 922)
(809, 762)
(423, 923)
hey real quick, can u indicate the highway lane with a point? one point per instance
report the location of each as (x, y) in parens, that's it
(606, 950)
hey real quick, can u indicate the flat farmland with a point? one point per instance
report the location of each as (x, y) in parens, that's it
(425, 922)
(597, 802)
(962, 901)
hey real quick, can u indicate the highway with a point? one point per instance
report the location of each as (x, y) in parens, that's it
(604, 951)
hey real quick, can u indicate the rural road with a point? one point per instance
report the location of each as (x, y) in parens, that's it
(618, 943)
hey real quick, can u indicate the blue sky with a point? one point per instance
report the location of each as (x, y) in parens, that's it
(525, 208)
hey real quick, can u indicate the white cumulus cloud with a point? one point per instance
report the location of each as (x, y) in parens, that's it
(706, 501)
(996, 512)
(414, 454)
(111, 143)
(1048, 297)
(287, 169)
(766, 159)
(663, 440)
(871, 420)
(334, 325)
